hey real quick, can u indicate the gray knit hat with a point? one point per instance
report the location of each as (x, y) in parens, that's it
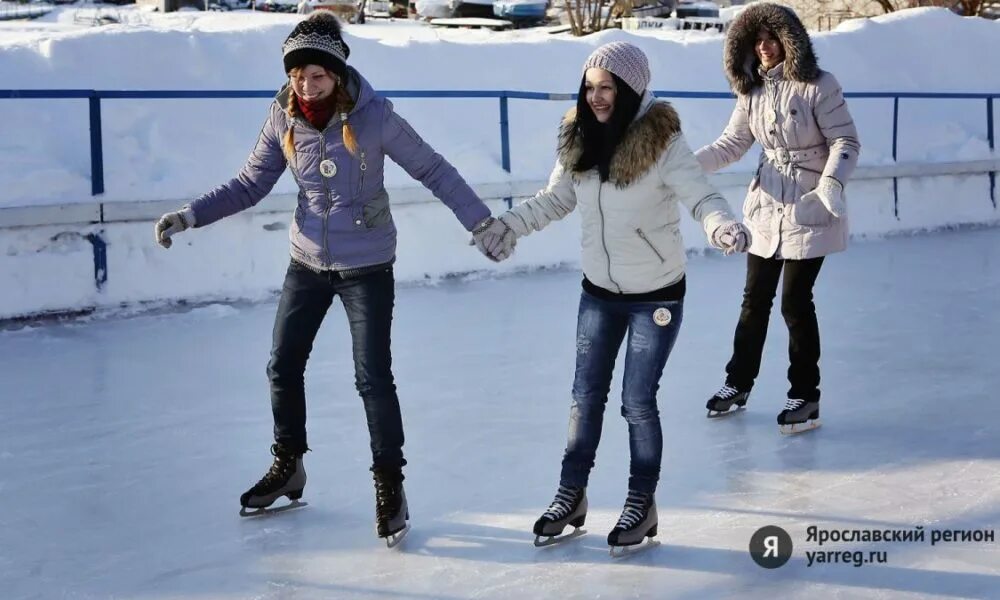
(624, 60)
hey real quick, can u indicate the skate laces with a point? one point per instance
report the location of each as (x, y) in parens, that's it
(791, 404)
(278, 472)
(386, 491)
(633, 513)
(727, 392)
(562, 505)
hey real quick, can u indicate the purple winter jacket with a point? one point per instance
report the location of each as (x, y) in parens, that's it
(342, 222)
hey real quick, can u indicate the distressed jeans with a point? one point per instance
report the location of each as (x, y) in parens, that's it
(651, 329)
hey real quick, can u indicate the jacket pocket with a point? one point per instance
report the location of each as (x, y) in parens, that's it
(809, 212)
(377, 211)
(649, 243)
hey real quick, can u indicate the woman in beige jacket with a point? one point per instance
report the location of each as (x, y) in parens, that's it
(795, 206)
(624, 164)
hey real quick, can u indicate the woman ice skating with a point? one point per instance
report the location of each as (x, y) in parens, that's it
(330, 128)
(795, 205)
(624, 163)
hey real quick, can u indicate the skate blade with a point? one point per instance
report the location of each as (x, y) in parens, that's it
(797, 428)
(394, 539)
(626, 551)
(715, 414)
(267, 511)
(552, 540)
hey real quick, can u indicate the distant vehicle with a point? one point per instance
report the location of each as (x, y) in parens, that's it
(699, 16)
(520, 11)
(434, 9)
(686, 10)
(281, 6)
(472, 8)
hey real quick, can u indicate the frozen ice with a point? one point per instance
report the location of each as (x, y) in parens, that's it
(125, 443)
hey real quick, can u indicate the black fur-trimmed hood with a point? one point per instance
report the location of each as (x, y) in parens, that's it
(741, 62)
(638, 151)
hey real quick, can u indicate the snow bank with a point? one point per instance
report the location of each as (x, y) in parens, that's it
(173, 150)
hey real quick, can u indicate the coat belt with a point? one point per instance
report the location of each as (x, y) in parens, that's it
(783, 156)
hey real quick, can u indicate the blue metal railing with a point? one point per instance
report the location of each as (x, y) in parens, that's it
(97, 149)
(94, 98)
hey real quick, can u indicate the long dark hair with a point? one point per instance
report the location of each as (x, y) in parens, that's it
(600, 140)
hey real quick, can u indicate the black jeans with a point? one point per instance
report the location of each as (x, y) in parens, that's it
(368, 300)
(800, 316)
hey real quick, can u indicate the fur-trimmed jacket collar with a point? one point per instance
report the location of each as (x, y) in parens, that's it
(741, 63)
(637, 153)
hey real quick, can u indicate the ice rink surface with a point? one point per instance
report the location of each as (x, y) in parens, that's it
(125, 443)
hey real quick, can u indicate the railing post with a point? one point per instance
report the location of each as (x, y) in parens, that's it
(895, 181)
(990, 136)
(505, 140)
(96, 150)
(100, 258)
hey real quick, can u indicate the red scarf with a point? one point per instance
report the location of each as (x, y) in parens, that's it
(317, 113)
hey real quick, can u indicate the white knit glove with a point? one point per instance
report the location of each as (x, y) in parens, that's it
(171, 224)
(830, 192)
(731, 238)
(494, 239)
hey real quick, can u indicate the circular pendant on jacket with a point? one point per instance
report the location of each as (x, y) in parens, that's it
(328, 168)
(661, 317)
(772, 117)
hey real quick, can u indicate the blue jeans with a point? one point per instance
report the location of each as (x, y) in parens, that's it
(601, 327)
(368, 300)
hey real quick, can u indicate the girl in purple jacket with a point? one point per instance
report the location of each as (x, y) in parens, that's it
(328, 126)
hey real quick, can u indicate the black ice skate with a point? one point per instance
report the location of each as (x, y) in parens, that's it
(568, 508)
(286, 477)
(391, 511)
(638, 522)
(721, 404)
(799, 416)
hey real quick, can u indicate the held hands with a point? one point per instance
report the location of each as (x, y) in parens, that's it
(171, 224)
(731, 238)
(494, 239)
(830, 192)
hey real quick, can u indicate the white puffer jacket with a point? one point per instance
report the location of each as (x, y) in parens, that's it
(798, 115)
(631, 239)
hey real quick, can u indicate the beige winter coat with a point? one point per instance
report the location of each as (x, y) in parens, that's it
(798, 114)
(631, 240)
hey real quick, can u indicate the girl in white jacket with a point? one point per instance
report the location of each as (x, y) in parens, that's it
(624, 163)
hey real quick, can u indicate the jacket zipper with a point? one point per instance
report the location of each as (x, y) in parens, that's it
(604, 241)
(642, 234)
(329, 203)
(326, 185)
(364, 167)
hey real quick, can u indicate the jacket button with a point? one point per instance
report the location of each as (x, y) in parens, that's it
(358, 222)
(794, 112)
(779, 210)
